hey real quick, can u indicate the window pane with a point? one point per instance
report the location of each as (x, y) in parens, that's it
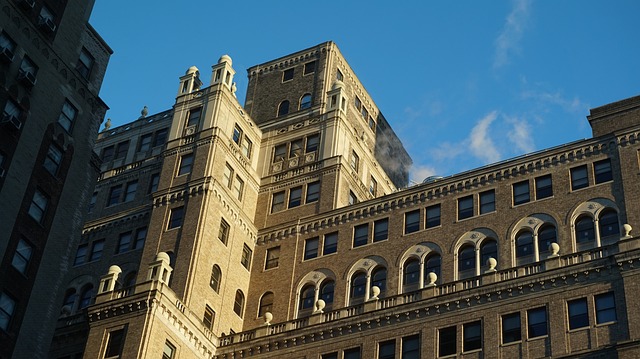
(381, 230)
(544, 187)
(578, 314)
(465, 207)
(487, 202)
(472, 336)
(521, 192)
(387, 349)
(412, 222)
(360, 234)
(433, 216)
(602, 171)
(311, 248)
(537, 322)
(605, 308)
(511, 328)
(295, 197)
(579, 178)
(330, 243)
(447, 341)
(313, 192)
(411, 347)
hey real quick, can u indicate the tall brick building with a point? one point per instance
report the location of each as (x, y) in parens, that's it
(51, 67)
(284, 229)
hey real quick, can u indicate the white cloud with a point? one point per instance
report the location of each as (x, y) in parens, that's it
(520, 134)
(480, 143)
(508, 40)
(571, 105)
(419, 172)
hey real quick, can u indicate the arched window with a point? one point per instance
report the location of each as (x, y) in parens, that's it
(432, 264)
(238, 304)
(216, 278)
(86, 298)
(283, 108)
(307, 296)
(326, 293)
(266, 304)
(129, 283)
(608, 224)
(358, 288)
(70, 299)
(411, 275)
(488, 249)
(546, 236)
(524, 248)
(466, 261)
(305, 101)
(585, 233)
(379, 279)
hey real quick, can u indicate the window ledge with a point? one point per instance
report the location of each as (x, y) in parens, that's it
(472, 351)
(581, 329)
(511, 343)
(606, 324)
(537, 338)
(521, 204)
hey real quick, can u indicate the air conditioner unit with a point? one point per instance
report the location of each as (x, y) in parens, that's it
(6, 54)
(27, 77)
(47, 24)
(29, 4)
(13, 120)
(1, 172)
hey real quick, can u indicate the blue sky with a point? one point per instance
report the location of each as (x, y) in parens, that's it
(463, 83)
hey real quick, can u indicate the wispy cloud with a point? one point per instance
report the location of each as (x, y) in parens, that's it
(508, 40)
(571, 105)
(520, 134)
(420, 172)
(480, 143)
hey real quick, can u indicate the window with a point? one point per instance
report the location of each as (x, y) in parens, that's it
(96, 250)
(153, 182)
(53, 159)
(160, 137)
(46, 19)
(339, 75)
(7, 307)
(579, 177)
(537, 322)
(238, 185)
(86, 298)
(141, 236)
(11, 111)
(608, 223)
(466, 261)
(38, 206)
(145, 142)
(238, 304)
(524, 247)
(277, 203)
(326, 292)
(193, 118)
(237, 134)
(121, 150)
(309, 68)
(433, 216)
(283, 108)
(412, 221)
(130, 192)
(175, 218)
(279, 152)
(472, 336)
(357, 103)
(228, 175)
(546, 236)
(381, 230)
(360, 234)
(465, 207)
(333, 355)
(355, 160)
(115, 344)
(305, 101)
(307, 295)
(169, 350)
(107, 153)
(358, 287)
(352, 198)
(578, 314)
(387, 349)
(21, 256)
(379, 279)
(311, 248)
(487, 201)
(585, 232)
(209, 317)
(521, 193)
(295, 197)
(296, 148)
(273, 257)
(353, 353)
(605, 308)
(511, 328)
(330, 243)
(287, 75)
(81, 254)
(447, 341)
(313, 192)
(85, 63)
(411, 347)
(186, 162)
(7, 46)
(432, 265)
(488, 249)
(216, 278)
(312, 143)
(373, 186)
(246, 147)
(223, 231)
(364, 113)
(124, 242)
(602, 171)
(28, 71)
(266, 304)
(544, 187)
(372, 124)
(114, 195)
(411, 275)
(246, 256)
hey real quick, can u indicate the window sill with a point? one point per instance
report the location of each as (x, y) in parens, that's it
(172, 229)
(581, 329)
(538, 338)
(472, 351)
(511, 343)
(605, 324)
(544, 198)
(487, 213)
(514, 205)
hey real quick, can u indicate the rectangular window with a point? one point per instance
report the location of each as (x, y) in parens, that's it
(333, 355)
(381, 230)
(511, 328)
(160, 137)
(194, 117)
(96, 250)
(602, 171)
(411, 347)
(521, 193)
(287, 75)
(311, 248)
(53, 159)
(22, 256)
(352, 198)
(144, 144)
(313, 192)
(237, 134)
(81, 255)
(7, 307)
(373, 186)
(372, 124)
(355, 160)
(433, 216)
(186, 163)
(330, 243)
(107, 154)
(296, 148)
(153, 182)
(7, 46)
(465, 207)
(175, 218)
(487, 201)
(544, 187)
(279, 152)
(339, 75)
(246, 257)
(387, 349)
(579, 177)
(295, 197)
(130, 191)
(124, 242)
(605, 308)
(412, 221)
(12, 113)
(277, 203)
(141, 236)
(578, 313)
(312, 143)
(223, 232)
(169, 350)
(209, 317)
(85, 63)
(447, 341)
(121, 150)
(353, 353)
(360, 234)
(246, 146)
(228, 175)
(38, 206)
(114, 195)
(472, 336)
(365, 113)
(537, 322)
(115, 342)
(28, 71)
(357, 103)
(309, 68)
(238, 186)
(273, 258)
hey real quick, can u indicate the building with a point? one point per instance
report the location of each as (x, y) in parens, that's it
(51, 67)
(280, 229)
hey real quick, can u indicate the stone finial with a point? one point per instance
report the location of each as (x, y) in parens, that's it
(114, 269)
(268, 317)
(432, 277)
(225, 58)
(491, 263)
(107, 125)
(627, 230)
(320, 304)
(375, 291)
(144, 112)
(234, 88)
(554, 248)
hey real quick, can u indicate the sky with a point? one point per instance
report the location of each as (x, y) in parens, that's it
(463, 83)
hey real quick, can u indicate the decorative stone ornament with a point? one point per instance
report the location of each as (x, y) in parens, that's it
(320, 304)
(554, 248)
(432, 278)
(375, 291)
(491, 263)
(268, 317)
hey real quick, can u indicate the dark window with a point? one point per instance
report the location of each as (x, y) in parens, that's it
(313, 192)
(387, 349)
(472, 336)
(160, 137)
(223, 231)
(608, 223)
(53, 159)
(373, 186)
(353, 353)
(130, 191)
(209, 317)
(432, 265)
(352, 198)
(81, 255)
(488, 249)
(358, 286)
(115, 343)
(447, 341)
(411, 347)
(330, 243)
(311, 248)
(124, 242)
(433, 216)
(381, 230)
(121, 150)
(273, 257)
(578, 313)
(355, 161)
(238, 304)
(169, 350)
(605, 308)
(266, 304)
(521, 193)
(585, 232)
(38, 207)
(579, 177)
(67, 116)
(141, 236)
(465, 207)
(537, 322)
(153, 182)
(22, 256)
(279, 152)
(246, 256)
(372, 124)
(511, 328)
(114, 195)
(326, 291)
(412, 221)
(305, 101)
(277, 203)
(186, 162)
(7, 47)
(238, 185)
(357, 103)
(602, 171)
(466, 261)
(307, 295)
(96, 250)
(312, 143)
(411, 275)
(175, 218)
(107, 153)
(333, 355)
(28, 71)
(194, 117)
(364, 113)
(216, 278)
(237, 134)
(309, 68)
(86, 298)
(487, 201)
(339, 75)
(296, 148)
(11, 111)
(295, 197)
(145, 142)
(287, 75)
(85, 63)
(544, 187)
(360, 234)
(283, 108)
(246, 146)
(524, 247)
(379, 279)
(546, 236)
(46, 19)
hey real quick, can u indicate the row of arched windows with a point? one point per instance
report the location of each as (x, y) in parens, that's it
(305, 102)
(215, 282)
